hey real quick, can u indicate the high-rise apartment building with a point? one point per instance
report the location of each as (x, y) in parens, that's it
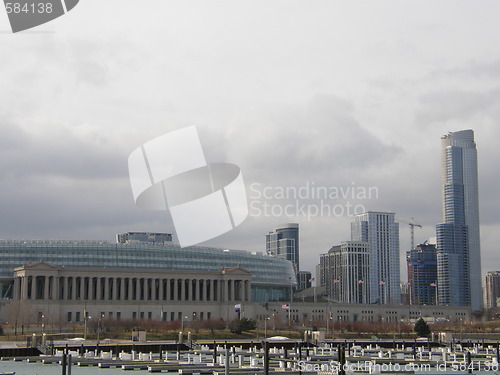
(492, 289)
(422, 274)
(283, 242)
(346, 270)
(382, 234)
(458, 244)
(304, 280)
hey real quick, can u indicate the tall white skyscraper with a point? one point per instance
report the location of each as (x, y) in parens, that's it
(382, 234)
(459, 250)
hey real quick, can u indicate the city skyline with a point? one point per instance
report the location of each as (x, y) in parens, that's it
(289, 92)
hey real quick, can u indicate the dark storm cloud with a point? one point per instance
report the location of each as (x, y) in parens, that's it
(57, 153)
(55, 183)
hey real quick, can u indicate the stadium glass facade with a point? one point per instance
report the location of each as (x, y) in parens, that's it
(272, 278)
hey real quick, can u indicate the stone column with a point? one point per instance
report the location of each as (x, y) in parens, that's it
(241, 290)
(206, 290)
(248, 290)
(46, 287)
(227, 290)
(188, 291)
(167, 289)
(119, 296)
(138, 289)
(146, 288)
(193, 296)
(111, 289)
(65, 288)
(106, 289)
(56, 287)
(160, 290)
(223, 290)
(98, 289)
(82, 288)
(115, 289)
(25, 288)
(73, 289)
(183, 290)
(202, 293)
(126, 286)
(17, 288)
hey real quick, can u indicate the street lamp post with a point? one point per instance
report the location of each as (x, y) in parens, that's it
(85, 322)
(99, 327)
(290, 306)
(328, 322)
(461, 328)
(182, 322)
(84, 327)
(265, 326)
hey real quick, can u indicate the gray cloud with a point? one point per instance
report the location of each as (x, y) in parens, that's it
(456, 105)
(58, 152)
(315, 143)
(470, 70)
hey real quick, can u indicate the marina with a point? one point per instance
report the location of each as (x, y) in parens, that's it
(267, 357)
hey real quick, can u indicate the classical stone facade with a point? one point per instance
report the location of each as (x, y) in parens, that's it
(52, 295)
(131, 293)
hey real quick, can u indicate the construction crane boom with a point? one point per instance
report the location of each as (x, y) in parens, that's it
(412, 225)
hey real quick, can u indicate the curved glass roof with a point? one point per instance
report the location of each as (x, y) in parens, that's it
(96, 254)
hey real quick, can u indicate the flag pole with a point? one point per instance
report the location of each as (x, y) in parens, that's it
(290, 307)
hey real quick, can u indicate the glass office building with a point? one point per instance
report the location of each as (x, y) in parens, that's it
(422, 274)
(459, 253)
(272, 278)
(284, 242)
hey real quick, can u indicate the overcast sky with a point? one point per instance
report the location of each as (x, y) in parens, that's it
(342, 94)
